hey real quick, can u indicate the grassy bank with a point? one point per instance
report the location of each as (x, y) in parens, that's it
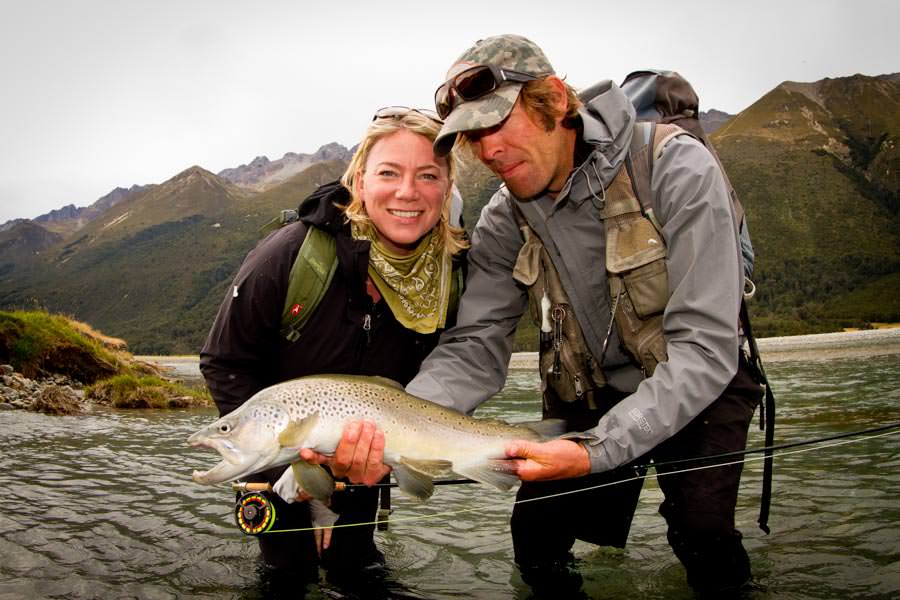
(39, 345)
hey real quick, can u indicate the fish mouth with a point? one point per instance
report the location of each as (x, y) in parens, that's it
(234, 464)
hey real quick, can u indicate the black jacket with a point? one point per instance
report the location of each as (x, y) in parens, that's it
(244, 351)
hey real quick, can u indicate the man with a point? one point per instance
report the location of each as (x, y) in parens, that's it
(553, 233)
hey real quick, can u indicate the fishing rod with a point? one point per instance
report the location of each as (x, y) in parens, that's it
(339, 486)
(255, 512)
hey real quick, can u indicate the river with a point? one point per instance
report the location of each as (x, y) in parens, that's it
(102, 506)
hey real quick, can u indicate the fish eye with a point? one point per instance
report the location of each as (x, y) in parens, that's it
(224, 428)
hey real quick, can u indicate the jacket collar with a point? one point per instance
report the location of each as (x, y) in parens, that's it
(607, 120)
(320, 208)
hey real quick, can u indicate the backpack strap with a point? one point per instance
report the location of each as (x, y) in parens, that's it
(639, 163)
(647, 142)
(310, 277)
(766, 419)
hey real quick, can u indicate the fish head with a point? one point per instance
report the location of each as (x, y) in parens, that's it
(246, 439)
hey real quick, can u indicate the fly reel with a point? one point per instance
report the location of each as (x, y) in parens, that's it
(254, 513)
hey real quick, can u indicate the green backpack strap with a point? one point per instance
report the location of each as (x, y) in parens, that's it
(310, 277)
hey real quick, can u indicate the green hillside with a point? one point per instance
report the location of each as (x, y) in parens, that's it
(815, 166)
(158, 281)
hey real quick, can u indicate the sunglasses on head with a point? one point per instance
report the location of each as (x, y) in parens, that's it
(398, 112)
(473, 83)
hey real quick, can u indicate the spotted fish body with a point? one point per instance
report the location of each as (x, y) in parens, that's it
(422, 439)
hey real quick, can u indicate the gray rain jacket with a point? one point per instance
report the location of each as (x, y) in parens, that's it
(705, 284)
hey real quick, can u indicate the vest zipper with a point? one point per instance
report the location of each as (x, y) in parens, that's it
(612, 321)
(363, 341)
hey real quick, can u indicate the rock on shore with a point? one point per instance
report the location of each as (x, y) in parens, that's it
(57, 394)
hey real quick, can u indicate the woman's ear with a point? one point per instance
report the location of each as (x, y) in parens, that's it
(358, 183)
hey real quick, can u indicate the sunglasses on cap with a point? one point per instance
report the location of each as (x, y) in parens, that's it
(398, 112)
(474, 83)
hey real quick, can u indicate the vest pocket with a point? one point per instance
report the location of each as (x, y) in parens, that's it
(648, 288)
(650, 345)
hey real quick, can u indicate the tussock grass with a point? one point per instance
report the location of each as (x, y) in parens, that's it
(145, 391)
(38, 344)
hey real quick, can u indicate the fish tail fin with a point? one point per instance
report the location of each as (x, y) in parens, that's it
(547, 429)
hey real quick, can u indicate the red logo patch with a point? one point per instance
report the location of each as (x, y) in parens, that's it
(295, 310)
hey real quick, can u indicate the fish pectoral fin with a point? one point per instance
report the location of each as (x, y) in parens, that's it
(500, 474)
(417, 484)
(314, 480)
(296, 432)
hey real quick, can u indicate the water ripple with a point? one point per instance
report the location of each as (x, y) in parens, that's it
(102, 506)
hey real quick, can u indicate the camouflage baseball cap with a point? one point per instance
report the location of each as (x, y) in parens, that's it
(509, 51)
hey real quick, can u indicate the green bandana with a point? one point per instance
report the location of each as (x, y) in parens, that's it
(416, 286)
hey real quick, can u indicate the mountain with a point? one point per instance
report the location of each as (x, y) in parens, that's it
(24, 240)
(70, 218)
(712, 119)
(262, 174)
(154, 267)
(817, 167)
(10, 224)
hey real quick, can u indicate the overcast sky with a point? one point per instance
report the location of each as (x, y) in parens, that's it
(96, 94)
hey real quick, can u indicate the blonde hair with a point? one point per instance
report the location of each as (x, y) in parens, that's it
(450, 237)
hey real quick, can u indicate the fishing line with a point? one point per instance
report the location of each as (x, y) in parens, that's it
(700, 468)
(838, 439)
(711, 457)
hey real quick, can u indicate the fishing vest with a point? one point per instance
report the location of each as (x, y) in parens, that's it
(637, 275)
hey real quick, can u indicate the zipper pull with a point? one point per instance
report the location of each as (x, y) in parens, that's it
(559, 314)
(367, 326)
(546, 328)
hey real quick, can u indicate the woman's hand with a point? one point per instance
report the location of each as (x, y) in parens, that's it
(359, 456)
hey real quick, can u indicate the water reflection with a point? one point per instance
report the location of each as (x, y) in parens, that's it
(102, 506)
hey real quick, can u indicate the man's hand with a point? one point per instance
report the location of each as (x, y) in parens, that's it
(359, 456)
(557, 459)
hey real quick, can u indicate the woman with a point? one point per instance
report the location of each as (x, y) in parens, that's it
(393, 291)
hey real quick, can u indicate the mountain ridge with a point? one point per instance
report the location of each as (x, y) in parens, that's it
(815, 165)
(262, 174)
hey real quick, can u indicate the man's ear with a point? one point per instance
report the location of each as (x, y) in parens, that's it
(561, 97)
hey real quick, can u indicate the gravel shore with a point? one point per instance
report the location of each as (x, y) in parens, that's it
(820, 346)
